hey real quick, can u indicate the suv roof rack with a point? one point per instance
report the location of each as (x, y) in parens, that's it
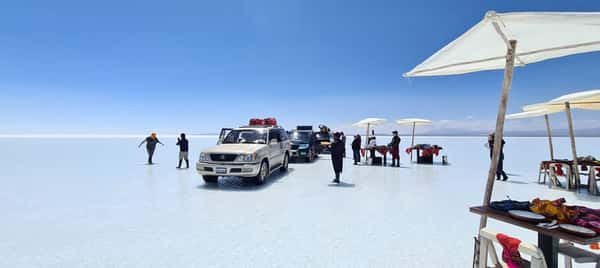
(260, 126)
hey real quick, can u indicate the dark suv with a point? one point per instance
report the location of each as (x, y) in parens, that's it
(303, 144)
(323, 139)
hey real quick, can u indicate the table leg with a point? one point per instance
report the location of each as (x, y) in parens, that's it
(549, 246)
(592, 187)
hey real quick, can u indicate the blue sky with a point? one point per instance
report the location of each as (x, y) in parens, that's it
(195, 66)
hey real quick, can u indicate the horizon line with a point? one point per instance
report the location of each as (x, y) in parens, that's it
(212, 135)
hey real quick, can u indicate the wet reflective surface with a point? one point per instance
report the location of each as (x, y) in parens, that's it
(95, 203)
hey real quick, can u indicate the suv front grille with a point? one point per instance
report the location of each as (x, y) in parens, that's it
(295, 146)
(223, 157)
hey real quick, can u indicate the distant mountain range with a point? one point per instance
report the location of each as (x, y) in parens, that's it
(590, 132)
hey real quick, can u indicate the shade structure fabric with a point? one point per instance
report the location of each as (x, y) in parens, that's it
(530, 114)
(586, 100)
(370, 122)
(414, 121)
(540, 36)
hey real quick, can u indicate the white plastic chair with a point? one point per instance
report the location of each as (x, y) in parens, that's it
(487, 237)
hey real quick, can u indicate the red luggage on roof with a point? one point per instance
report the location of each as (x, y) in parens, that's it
(270, 121)
(257, 122)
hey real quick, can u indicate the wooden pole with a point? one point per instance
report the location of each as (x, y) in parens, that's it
(549, 131)
(572, 136)
(508, 72)
(367, 144)
(412, 143)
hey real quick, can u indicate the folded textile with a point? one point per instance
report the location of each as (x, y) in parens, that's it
(506, 205)
(551, 209)
(510, 250)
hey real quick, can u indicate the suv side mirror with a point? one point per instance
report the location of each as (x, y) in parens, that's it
(273, 141)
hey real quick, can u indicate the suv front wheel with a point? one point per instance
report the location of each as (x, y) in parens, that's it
(284, 165)
(262, 173)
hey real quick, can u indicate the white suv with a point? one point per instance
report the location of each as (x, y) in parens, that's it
(248, 152)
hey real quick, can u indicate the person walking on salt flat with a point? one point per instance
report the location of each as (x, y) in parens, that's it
(337, 156)
(183, 144)
(151, 142)
(500, 168)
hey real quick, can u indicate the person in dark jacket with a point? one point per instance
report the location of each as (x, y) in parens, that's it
(394, 146)
(343, 139)
(500, 167)
(337, 159)
(151, 142)
(183, 144)
(356, 149)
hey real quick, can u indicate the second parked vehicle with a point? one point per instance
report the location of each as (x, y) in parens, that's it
(304, 145)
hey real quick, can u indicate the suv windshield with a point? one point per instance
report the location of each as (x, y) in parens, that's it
(304, 137)
(323, 136)
(246, 136)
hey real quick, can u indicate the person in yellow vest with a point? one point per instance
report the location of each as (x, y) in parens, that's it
(151, 142)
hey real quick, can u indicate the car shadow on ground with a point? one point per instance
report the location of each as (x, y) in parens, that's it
(304, 162)
(238, 184)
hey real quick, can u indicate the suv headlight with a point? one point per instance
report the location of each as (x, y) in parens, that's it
(204, 157)
(303, 146)
(246, 157)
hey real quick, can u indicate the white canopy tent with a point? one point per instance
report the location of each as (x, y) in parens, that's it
(414, 122)
(368, 123)
(586, 100)
(541, 36)
(492, 44)
(537, 113)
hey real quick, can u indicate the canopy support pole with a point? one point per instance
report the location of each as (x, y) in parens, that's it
(367, 144)
(412, 143)
(498, 135)
(575, 170)
(549, 131)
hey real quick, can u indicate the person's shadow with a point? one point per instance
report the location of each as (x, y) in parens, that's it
(342, 185)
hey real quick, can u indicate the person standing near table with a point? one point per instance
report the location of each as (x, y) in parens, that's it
(151, 142)
(356, 149)
(183, 144)
(343, 139)
(337, 159)
(372, 143)
(394, 146)
(500, 168)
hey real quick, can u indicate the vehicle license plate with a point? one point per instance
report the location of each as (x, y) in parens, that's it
(221, 170)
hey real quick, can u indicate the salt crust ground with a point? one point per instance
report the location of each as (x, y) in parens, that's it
(94, 203)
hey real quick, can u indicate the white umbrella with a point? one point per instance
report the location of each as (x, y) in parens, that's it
(414, 122)
(368, 122)
(536, 113)
(586, 100)
(492, 44)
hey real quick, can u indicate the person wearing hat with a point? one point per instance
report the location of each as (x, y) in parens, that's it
(151, 142)
(337, 156)
(394, 147)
